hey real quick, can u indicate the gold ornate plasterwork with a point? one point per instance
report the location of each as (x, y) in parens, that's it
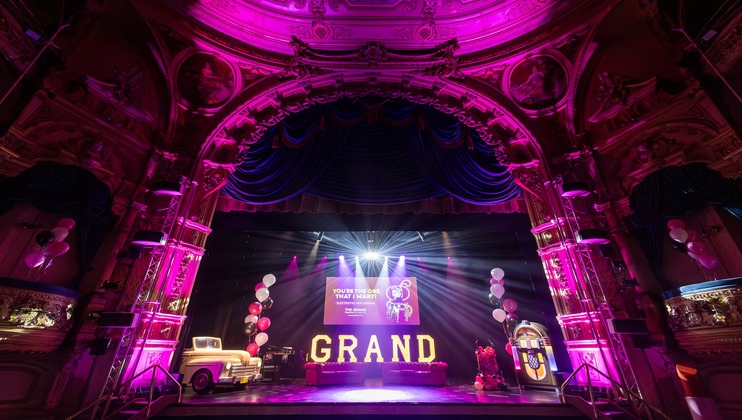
(712, 309)
(32, 320)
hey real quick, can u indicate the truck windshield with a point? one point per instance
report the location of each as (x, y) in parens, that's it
(207, 343)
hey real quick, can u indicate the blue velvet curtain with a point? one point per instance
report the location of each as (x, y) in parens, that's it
(677, 191)
(371, 151)
(68, 191)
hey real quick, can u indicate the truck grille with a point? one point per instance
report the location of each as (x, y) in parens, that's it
(244, 370)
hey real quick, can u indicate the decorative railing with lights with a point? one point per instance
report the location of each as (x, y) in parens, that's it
(34, 317)
(707, 317)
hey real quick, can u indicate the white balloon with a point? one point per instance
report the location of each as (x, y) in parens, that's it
(497, 273)
(497, 290)
(269, 280)
(679, 235)
(251, 318)
(261, 338)
(60, 233)
(262, 294)
(499, 315)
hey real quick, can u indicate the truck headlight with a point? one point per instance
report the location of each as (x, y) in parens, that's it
(228, 367)
(260, 363)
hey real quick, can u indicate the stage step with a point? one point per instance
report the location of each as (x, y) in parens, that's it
(136, 409)
(606, 409)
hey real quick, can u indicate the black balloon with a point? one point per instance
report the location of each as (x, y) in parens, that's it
(679, 246)
(495, 301)
(512, 323)
(267, 303)
(44, 237)
(250, 329)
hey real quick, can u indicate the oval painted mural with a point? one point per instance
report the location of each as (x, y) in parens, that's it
(205, 80)
(537, 82)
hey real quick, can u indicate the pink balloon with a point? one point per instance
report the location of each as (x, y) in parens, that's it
(676, 224)
(696, 247)
(509, 305)
(58, 248)
(513, 315)
(253, 349)
(694, 256)
(497, 290)
(259, 286)
(34, 259)
(509, 348)
(692, 235)
(708, 261)
(66, 223)
(251, 318)
(264, 323)
(494, 281)
(255, 308)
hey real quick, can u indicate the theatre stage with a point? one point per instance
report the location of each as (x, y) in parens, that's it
(290, 399)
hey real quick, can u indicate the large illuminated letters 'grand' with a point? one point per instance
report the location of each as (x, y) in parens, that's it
(347, 344)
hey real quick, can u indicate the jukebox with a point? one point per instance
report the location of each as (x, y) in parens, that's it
(535, 366)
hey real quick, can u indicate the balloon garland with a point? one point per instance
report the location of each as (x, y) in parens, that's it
(687, 241)
(256, 320)
(51, 244)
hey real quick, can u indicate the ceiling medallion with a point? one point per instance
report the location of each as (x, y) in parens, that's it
(320, 31)
(425, 32)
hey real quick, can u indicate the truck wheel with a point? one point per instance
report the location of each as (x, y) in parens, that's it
(202, 382)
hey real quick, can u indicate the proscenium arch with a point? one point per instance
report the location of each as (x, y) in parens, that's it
(476, 104)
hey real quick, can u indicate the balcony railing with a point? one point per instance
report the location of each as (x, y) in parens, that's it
(34, 317)
(707, 316)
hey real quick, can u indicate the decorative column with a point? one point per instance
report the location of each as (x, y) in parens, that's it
(581, 280)
(163, 315)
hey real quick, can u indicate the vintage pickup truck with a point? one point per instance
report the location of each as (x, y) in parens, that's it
(206, 365)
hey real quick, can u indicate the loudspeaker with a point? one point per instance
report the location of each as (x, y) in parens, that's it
(99, 346)
(116, 319)
(627, 326)
(593, 236)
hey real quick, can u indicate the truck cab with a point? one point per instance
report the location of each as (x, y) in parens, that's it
(206, 365)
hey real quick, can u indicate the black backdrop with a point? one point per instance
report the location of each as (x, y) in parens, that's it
(454, 305)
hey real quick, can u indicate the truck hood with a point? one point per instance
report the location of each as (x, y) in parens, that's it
(241, 355)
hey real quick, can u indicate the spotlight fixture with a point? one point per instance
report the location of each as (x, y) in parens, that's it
(371, 255)
(171, 188)
(575, 189)
(149, 238)
(593, 236)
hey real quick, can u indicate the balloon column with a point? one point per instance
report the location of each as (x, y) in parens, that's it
(51, 244)
(688, 241)
(256, 320)
(490, 377)
(504, 308)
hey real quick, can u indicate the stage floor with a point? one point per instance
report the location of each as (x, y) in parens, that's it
(458, 399)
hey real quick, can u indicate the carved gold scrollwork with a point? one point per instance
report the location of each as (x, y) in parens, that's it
(713, 309)
(46, 316)
(531, 179)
